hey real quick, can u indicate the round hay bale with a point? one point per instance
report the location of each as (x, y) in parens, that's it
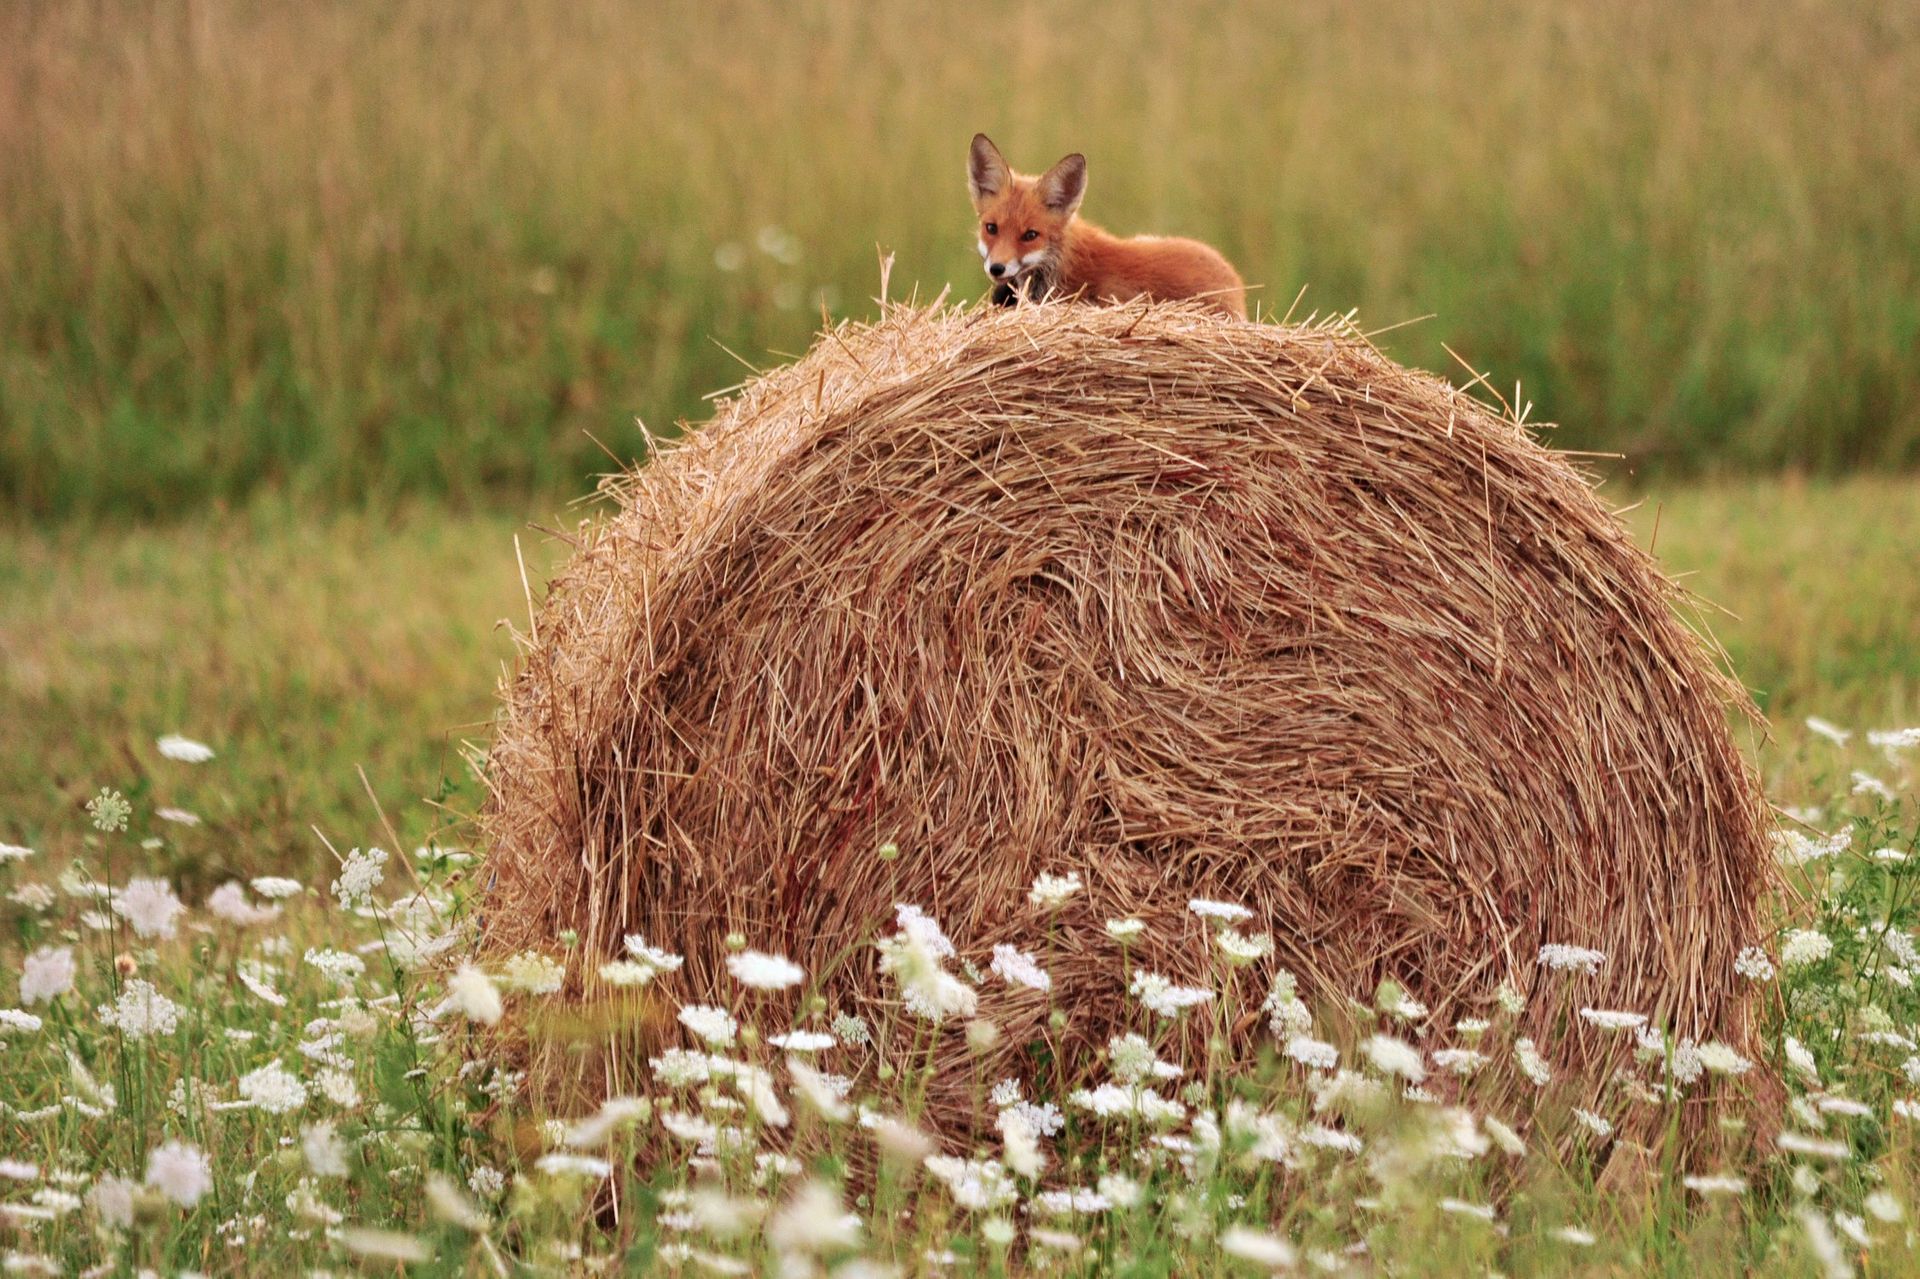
(1186, 607)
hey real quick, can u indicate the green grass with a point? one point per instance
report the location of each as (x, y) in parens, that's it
(375, 250)
(304, 649)
(307, 649)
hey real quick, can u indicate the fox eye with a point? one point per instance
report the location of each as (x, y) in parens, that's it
(993, 228)
(1031, 234)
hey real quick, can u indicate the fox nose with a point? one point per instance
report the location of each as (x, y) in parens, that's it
(996, 269)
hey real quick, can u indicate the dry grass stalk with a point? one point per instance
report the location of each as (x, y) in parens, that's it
(1192, 608)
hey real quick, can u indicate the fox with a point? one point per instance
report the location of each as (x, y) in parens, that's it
(1033, 244)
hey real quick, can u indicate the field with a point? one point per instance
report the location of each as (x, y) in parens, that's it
(366, 257)
(311, 313)
(303, 650)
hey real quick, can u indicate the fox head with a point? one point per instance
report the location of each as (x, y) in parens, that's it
(1022, 219)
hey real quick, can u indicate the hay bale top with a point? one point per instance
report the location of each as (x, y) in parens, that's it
(1186, 607)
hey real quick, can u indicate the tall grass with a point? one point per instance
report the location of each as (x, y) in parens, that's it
(356, 250)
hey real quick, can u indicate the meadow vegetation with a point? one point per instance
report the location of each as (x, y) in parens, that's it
(308, 309)
(349, 253)
(242, 1043)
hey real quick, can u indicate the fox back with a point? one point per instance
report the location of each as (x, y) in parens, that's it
(1033, 243)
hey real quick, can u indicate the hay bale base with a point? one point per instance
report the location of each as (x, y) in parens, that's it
(1189, 608)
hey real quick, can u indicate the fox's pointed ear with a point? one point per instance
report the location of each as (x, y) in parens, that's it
(1061, 187)
(987, 173)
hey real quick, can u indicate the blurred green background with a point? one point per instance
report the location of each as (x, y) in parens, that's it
(350, 252)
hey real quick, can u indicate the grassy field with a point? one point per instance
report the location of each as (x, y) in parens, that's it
(355, 251)
(317, 1086)
(305, 650)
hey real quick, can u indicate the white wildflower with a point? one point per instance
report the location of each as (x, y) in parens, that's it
(803, 1041)
(916, 923)
(1392, 1056)
(1881, 1205)
(1829, 730)
(1125, 929)
(1753, 964)
(1262, 1249)
(912, 956)
(1050, 892)
(820, 1091)
(112, 1200)
(1800, 1144)
(150, 907)
(47, 974)
(338, 1087)
(141, 1011)
(184, 749)
(977, 1185)
(1161, 996)
(1502, 1136)
(561, 1163)
(1313, 1053)
(274, 887)
(1715, 1184)
(1564, 958)
(1868, 784)
(532, 973)
(814, 1221)
(337, 966)
(324, 1151)
(180, 1172)
(1219, 912)
(1804, 946)
(229, 902)
(1611, 1019)
(761, 971)
(1532, 1064)
(1017, 968)
(715, 1025)
(273, 1088)
(1240, 950)
(33, 896)
(360, 874)
(1460, 1061)
(473, 995)
(1597, 1124)
(1020, 1145)
(384, 1245)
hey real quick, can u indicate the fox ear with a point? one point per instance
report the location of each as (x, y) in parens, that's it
(1061, 187)
(987, 173)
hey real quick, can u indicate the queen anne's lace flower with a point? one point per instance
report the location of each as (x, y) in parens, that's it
(1804, 946)
(760, 971)
(47, 974)
(1050, 892)
(184, 749)
(149, 907)
(1159, 995)
(180, 1172)
(273, 1088)
(1017, 968)
(715, 1025)
(1563, 958)
(141, 1011)
(360, 874)
(474, 996)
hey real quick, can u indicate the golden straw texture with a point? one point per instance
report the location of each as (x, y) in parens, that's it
(1186, 606)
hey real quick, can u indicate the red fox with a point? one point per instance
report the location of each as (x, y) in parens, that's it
(1034, 246)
